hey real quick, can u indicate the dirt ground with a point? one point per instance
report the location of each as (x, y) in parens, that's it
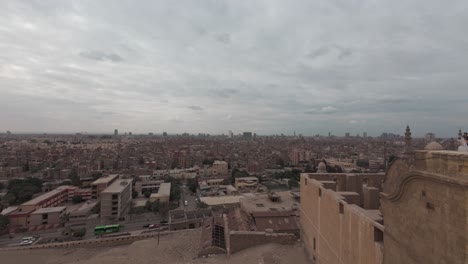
(176, 248)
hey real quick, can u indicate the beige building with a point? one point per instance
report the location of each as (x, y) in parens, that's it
(336, 226)
(47, 216)
(422, 201)
(163, 194)
(219, 168)
(102, 183)
(116, 199)
(425, 207)
(243, 183)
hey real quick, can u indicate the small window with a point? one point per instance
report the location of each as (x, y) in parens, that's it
(305, 180)
(315, 245)
(320, 192)
(341, 208)
(260, 205)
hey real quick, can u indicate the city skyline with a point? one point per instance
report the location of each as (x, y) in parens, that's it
(211, 67)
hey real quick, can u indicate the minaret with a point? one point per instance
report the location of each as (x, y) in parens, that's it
(459, 134)
(407, 139)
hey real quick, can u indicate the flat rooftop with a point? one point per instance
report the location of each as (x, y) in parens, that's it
(105, 179)
(117, 186)
(164, 190)
(219, 200)
(247, 179)
(262, 203)
(49, 210)
(44, 196)
(86, 207)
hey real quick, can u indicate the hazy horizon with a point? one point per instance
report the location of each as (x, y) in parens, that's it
(264, 66)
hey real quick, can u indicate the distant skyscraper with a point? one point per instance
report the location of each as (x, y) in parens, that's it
(247, 135)
(231, 135)
(130, 133)
(347, 134)
(116, 132)
(364, 135)
(165, 134)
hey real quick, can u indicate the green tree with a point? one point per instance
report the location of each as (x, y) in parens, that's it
(293, 183)
(80, 232)
(74, 178)
(77, 199)
(163, 209)
(202, 205)
(193, 184)
(175, 192)
(4, 221)
(135, 194)
(147, 194)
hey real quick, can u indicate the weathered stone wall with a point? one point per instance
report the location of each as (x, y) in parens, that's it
(425, 209)
(334, 231)
(240, 240)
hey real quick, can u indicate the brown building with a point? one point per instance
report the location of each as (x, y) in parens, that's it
(48, 216)
(116, 199)
(425, 207)
(336, 225)
(102, 183)
(422, 201)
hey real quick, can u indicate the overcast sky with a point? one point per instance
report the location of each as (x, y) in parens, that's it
(213, 66)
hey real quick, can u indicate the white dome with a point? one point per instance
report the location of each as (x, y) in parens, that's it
(434, 146)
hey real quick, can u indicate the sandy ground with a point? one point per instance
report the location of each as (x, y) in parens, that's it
(176, 248)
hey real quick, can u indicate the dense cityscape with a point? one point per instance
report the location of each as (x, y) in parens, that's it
(237, 132)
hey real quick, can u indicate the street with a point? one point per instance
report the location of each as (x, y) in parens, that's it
(127, 226)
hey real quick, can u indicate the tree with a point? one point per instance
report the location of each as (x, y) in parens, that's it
(77, 199)
(147, 194)
(193, 184)
(80, 232)
(175, 192)
(4, 221)
(163, 209)
(202, 205)
(135, 194)
(74, 178)
(293, 183)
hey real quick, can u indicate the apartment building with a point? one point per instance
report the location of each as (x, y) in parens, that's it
(116, 199)
(101, 184)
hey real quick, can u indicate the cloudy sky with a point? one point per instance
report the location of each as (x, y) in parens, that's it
(212, 66)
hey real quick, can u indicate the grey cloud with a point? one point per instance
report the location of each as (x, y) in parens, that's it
(385, 70)
(100, 56)
(195, 108)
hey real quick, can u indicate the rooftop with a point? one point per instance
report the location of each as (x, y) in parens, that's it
(262, 203)
(9, 210)
(118, 186)
(49, 210)
(219, 200)
(45, 196)
(105, 179)
(164, 190)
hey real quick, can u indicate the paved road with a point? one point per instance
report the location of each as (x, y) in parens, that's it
(133, 225)
(185, 196)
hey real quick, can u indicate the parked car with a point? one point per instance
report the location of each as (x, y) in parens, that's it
(163, 221)
(146, 226)
(26, 242)
(154, 226)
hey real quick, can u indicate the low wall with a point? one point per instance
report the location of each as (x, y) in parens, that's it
(240, 240)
